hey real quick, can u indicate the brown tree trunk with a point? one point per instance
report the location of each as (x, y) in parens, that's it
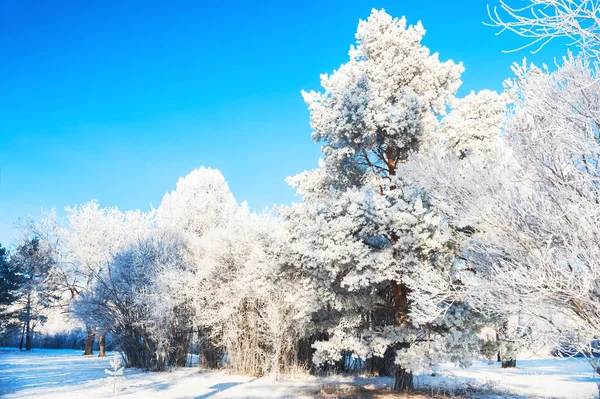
(509, 363)
(101, 343)
(89, 342)
(403, 380)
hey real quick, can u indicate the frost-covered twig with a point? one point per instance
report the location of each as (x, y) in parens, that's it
(541, 21)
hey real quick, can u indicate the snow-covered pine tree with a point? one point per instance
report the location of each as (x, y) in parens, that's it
(371, 261)
(32, 264)
(10, 282)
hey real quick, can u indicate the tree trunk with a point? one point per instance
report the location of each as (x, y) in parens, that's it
(340, 365)
(403, 380)
(385, 365)
(509, 363)
(101, 343)
(89, 342)
(22, 337)
(375, 366)
(499, 356)
(306, 351)
(28, 328)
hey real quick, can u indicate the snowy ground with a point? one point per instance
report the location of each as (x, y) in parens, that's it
(66, 374)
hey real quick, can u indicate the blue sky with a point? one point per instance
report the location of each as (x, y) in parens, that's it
(115, 101)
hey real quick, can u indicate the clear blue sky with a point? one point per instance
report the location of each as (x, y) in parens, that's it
(114, 100)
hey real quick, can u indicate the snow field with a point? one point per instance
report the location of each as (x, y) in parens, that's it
(47, 374)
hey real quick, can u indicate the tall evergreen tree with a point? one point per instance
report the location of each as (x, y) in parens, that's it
(375, 261)
(10, 282)
(32, 263)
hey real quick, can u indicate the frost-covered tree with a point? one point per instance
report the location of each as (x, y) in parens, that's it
(381, 104)
(373, 258)
(201, 201)
(533, 211)
(244, 312)
(472, 128)
(115, 375)
(240, 314)
(82, 243)
(94, 236)
(543, 221)
(143, 301)
(469, 176)
(542, 244)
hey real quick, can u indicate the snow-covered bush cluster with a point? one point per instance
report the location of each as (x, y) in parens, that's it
(197, 271)
(429, 219)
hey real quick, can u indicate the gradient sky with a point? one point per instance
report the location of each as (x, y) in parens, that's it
(115, 100)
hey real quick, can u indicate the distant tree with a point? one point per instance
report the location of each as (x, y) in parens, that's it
(202, 201)
(10, 283)
(94, 236)
(82, 246)
(33, 263)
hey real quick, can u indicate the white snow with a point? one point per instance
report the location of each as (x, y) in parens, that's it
(44, 373)
(546, 377)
